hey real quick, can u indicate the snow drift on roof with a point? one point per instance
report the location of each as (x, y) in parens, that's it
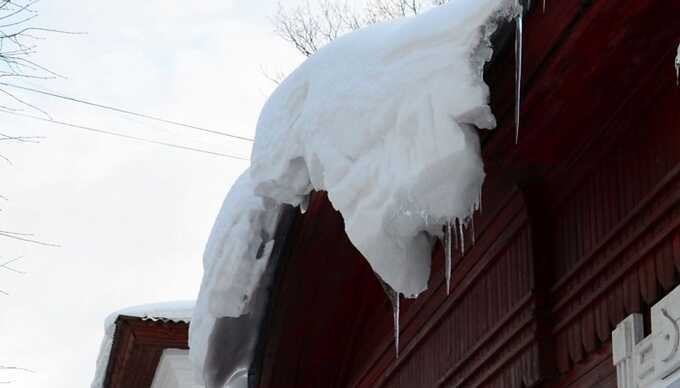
(384, 120)
(179, 311)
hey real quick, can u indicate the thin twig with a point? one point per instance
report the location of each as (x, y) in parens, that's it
(16, 368)
(8, 268)
(20, 237)
(6, 159)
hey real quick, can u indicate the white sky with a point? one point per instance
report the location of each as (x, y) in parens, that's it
(131, 218)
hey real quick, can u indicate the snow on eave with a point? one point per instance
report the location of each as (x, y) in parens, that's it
(177, 312)
(384, 120)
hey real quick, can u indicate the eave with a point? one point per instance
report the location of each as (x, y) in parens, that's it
(137, 349)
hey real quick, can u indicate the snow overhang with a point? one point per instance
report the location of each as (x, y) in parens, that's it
(233, 353)
(322, 130)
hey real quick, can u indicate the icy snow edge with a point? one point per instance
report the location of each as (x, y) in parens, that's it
(179, 311)
(382, 119)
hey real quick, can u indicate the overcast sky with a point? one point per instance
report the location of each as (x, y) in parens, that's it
(131, 218)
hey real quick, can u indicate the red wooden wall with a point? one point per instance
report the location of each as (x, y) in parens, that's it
(137, 349)
(580, 226)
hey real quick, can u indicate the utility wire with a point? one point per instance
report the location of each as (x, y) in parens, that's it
(120, 110)
(122, 135)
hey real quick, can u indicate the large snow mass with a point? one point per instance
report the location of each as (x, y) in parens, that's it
(384, 120)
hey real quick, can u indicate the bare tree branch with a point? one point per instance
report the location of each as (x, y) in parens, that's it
(6, 266)
(17, 46)
(19, 100)
(309, 27)
(21, 139)
(276, 77)
(26, 237)
(16, 369)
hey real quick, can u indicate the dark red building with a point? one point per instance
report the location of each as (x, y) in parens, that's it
(580, 227)
(146, 347)
(139, 347)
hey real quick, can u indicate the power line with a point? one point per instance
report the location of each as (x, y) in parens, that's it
(121, 110)
(124, 136)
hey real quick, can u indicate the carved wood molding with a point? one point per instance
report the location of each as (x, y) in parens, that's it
(137, 348)
(627, 249)
(653, 360)
(503, 344)
(620, 275)
(630, 230)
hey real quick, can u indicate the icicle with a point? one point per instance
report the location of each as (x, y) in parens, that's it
(304, 204)
(472, 225)
(518, 69)
(462, 237)
(454, 237)
(447, 255)
(393, 296)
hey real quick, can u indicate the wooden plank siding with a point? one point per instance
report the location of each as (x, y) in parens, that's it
(137, 349)
(580, 226)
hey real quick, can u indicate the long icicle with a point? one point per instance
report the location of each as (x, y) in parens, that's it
(472, 225)
(462, 237)
(393, 297)
(454, 236)
(448, 242)
(518, 68)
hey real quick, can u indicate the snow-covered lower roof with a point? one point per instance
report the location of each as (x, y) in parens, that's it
(384, 120)
(179, 311)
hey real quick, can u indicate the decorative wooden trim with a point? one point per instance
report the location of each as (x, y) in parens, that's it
(606, 293)
(661, 218)
(137, 348)
(501, 342)
(656, 204)
(652, 361)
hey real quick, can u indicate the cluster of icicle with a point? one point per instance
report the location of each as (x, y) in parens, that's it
(454, 236)
(385, 121)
